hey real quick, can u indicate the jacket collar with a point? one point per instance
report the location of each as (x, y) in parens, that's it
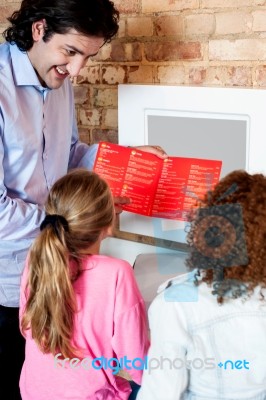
(188, 276)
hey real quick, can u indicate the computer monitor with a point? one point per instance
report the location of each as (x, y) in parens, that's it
(227, 124)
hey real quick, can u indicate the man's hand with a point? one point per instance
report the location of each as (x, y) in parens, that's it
(119, 202)
(157, 150)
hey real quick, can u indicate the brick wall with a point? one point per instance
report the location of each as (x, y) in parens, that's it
(178, 42)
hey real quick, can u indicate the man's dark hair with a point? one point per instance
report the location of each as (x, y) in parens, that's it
(89, 17)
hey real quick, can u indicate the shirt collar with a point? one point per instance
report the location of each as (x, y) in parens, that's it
(23, 71)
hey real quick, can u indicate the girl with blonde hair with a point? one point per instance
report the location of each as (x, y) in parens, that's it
(81, 312)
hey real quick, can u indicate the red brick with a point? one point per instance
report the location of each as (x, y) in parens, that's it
(109, 135)
(149, 6)
(197, 76)
(168, 25)
(110, 118)
(259, 21)
(125, 52)
(214, 76)
(261, 76)
(230, 3)
(139, 26)
(230, 23)
(112, 74)
(105, 97)
(199, 24)
(89, 117)
(6, 11)
(171, 74)
(171, 51)
(82, 94)
(140, 74)
(84, 135)
(238, 50)
(89, 75)
(127, 6)
(122, 28)
(238, 76)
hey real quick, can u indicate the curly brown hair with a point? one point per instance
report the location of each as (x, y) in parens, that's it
(240, 229)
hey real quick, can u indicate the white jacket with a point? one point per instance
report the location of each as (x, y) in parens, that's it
(201, 350)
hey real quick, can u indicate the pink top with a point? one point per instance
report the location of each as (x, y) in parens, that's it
(111, 322)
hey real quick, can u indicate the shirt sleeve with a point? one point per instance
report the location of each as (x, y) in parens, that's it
(18, 219)
(166, 376)
(130, 338)
(81, 154)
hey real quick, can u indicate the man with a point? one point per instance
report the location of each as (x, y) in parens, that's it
(48, 42)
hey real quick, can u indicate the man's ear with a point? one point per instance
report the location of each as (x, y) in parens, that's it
(38, 30)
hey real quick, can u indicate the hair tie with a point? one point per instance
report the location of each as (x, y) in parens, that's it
(54, 220)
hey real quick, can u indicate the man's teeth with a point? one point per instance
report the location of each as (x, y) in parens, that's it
(61, 71)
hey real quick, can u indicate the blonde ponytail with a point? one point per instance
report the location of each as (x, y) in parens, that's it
(51, 304)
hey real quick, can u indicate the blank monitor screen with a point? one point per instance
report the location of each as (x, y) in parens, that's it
(210, 138)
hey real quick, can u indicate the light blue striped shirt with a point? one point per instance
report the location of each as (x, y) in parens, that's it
(38, 144)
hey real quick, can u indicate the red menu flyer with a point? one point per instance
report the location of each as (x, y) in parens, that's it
(166, 188)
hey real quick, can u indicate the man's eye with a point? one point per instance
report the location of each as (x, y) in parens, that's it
(71, 52)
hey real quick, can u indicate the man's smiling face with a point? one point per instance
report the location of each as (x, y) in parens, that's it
(61, 56)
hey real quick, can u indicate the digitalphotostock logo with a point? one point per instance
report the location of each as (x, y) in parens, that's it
(146, 363)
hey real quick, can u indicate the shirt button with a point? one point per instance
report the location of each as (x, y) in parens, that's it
(44, 156)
